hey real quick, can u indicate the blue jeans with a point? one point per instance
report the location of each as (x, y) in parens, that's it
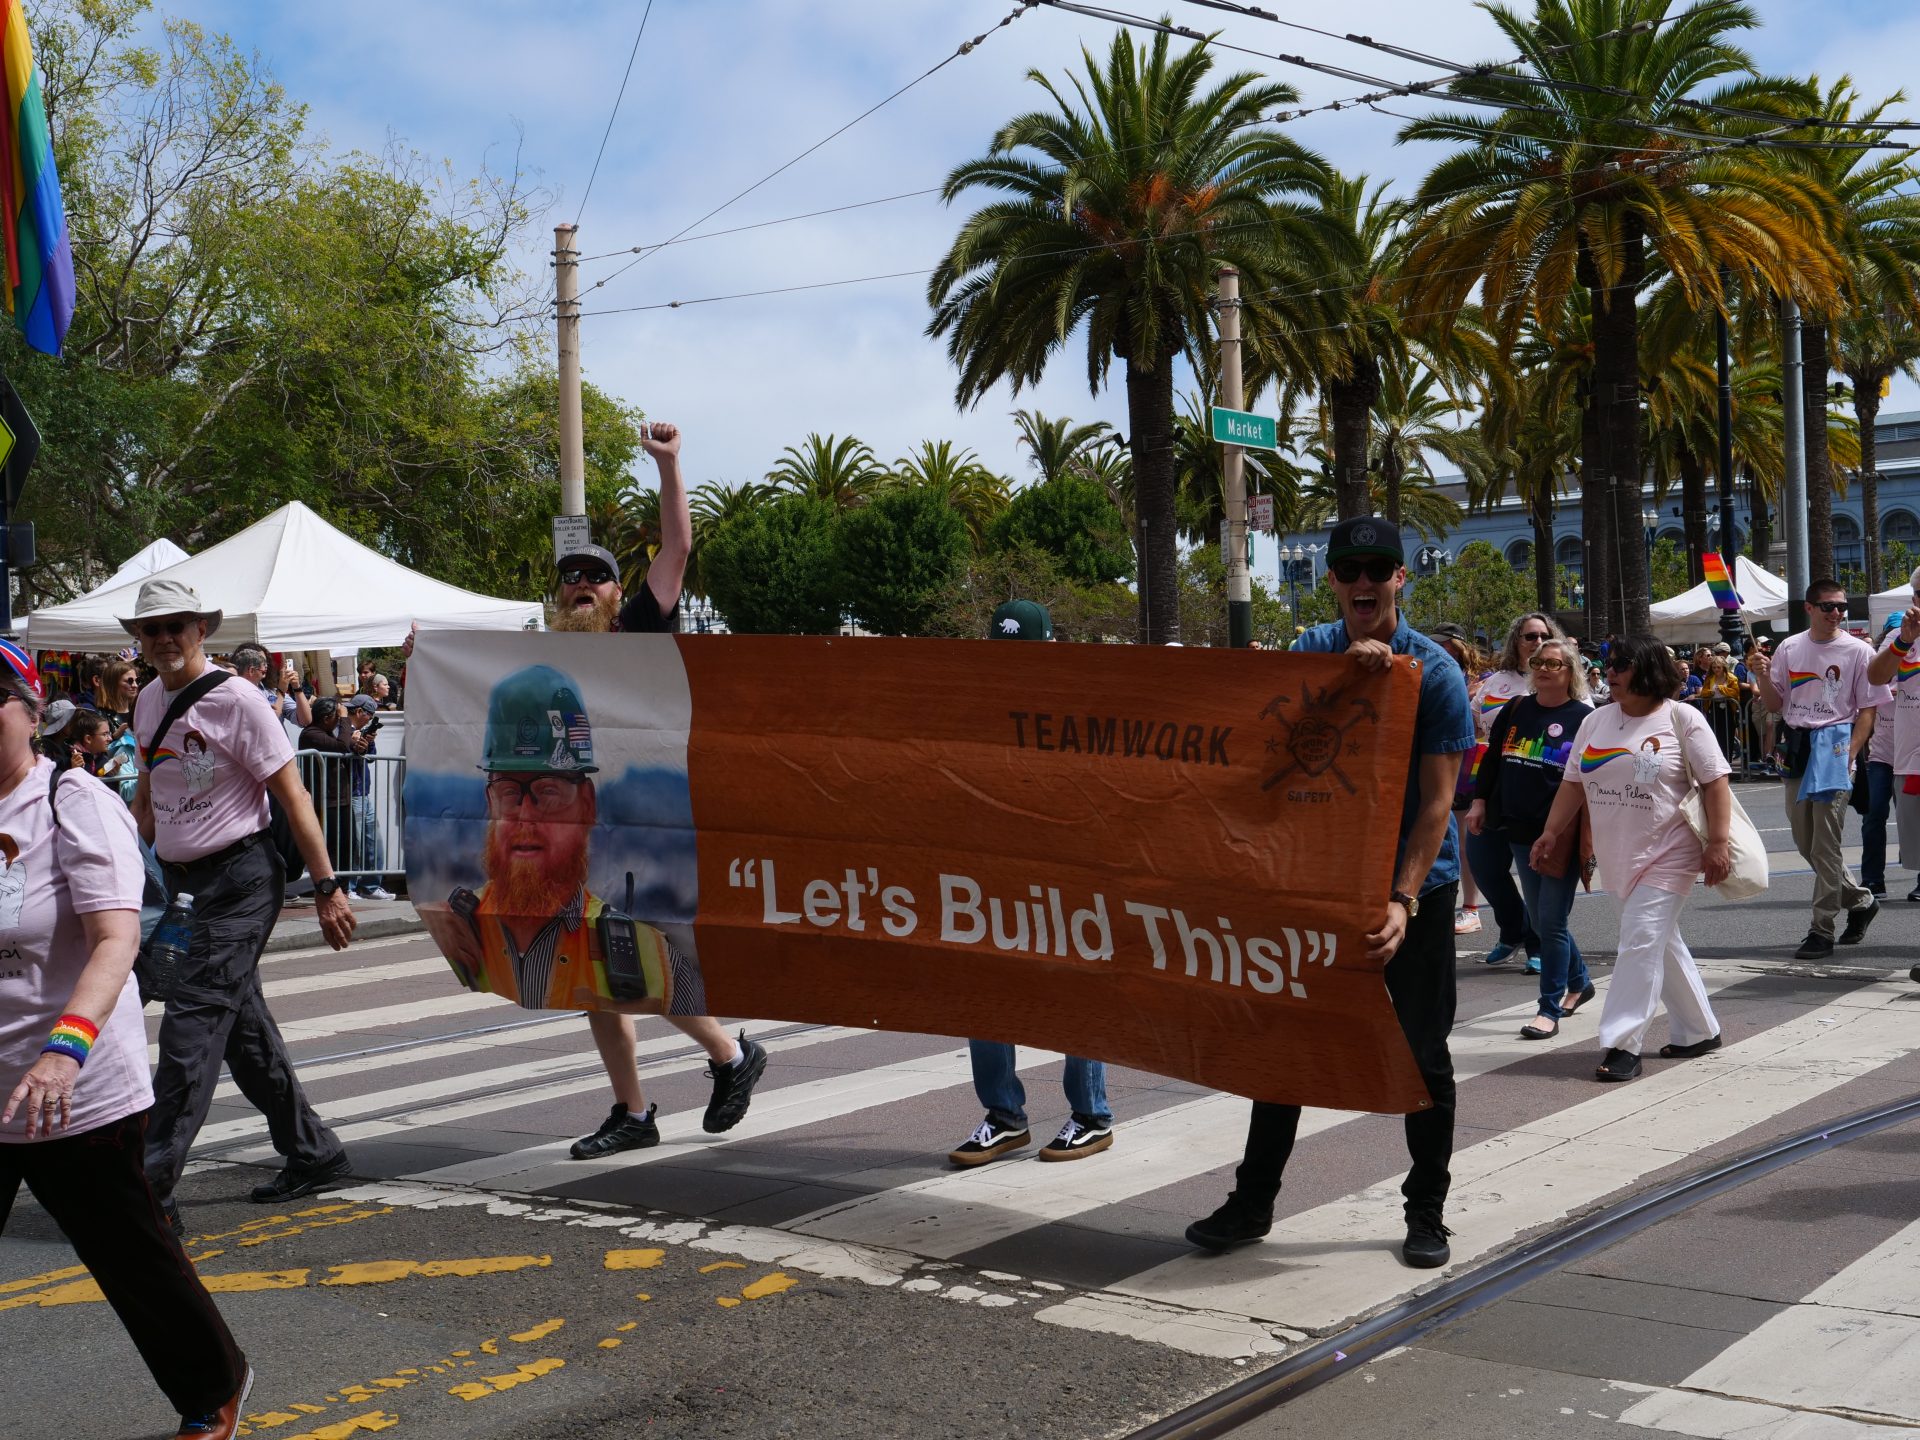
(998, 1085)
(369, 850)
(1873, 826)
(1550, 902)
(1491, 859)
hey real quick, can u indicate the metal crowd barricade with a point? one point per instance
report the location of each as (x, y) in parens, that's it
(357, 798)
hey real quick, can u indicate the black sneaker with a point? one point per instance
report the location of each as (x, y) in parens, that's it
(1619, 1065)
(1879, 892)
(1815, 947)
(1426, 1245)
(170, 1212)
(733, 1087)
(621, 1130)
(1913, 895)
(1857, 923)
(1237, 1222)
(990, 1142)
(1075, 1141)
(297, 1180)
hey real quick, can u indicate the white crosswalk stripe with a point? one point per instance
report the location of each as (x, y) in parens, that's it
(456, 1060)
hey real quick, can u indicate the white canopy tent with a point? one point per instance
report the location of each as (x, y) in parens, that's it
(142, 563)
(1693, 616)
(290, 582)
(1888, 602)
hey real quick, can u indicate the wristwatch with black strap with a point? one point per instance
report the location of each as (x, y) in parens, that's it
(327, 887)
(1410, 902)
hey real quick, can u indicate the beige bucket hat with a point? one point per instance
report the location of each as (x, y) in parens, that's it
(167, 597)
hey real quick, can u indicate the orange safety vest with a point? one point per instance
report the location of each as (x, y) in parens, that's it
(579, 977)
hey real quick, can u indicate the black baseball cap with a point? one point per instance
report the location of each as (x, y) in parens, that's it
(1365, 535)
(590, 554)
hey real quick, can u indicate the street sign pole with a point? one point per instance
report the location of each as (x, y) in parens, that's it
(1233, 477)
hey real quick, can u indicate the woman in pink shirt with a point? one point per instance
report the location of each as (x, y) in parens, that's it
(1636, 760)
(73, 1060)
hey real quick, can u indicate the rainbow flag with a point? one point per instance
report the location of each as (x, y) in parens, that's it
(39, 286)
(1592, 759)
(1721, 583)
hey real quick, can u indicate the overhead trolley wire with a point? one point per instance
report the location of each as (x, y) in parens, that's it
(966, 47)
(618, 97)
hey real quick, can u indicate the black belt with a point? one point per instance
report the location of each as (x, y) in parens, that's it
(218, 857)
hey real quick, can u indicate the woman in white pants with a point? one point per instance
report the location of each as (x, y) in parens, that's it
(1628, 757)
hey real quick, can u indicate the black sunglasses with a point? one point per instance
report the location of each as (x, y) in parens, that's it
(1377, 568)
(1617, 663)
(1832, 607)
(153, 629)
(585, 575)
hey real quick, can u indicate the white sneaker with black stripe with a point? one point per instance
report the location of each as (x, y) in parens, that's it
(1076, 1141)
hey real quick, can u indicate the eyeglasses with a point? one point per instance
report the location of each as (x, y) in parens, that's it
(1538, 637)
(1377, 568)
(585, 575)
(549, 794)
(1547, 662)
(153, 629)
(1616, 664)
(1832, 607)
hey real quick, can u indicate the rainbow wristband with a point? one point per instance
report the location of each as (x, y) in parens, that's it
(73, 1036)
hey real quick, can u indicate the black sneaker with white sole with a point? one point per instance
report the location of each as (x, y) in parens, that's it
(1077, 1139)
(990, 1142)
(733, 1087)
(621, 1130)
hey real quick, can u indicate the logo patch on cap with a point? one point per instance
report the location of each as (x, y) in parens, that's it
(1364, 535)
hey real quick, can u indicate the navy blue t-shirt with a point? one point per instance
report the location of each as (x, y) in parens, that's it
(1444, 726)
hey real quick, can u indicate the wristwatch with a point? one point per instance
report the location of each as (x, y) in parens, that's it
(327, 887)
(1411, 902)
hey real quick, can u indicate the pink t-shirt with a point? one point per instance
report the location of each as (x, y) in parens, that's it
(1631, 772)
(208, 780)
(1825, 684)
(46, 886)
(1904, 722)
(1492, 694)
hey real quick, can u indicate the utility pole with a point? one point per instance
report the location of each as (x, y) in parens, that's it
(1233, 475)
(1794, 502)
(1731, 628)
(566, 305)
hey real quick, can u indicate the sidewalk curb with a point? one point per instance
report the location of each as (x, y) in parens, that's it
(302, 933)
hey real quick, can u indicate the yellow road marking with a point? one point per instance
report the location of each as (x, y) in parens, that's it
(721, 1265)
(538, 1332)
(494, 1384)
(381, 1272)
(372, 1421)
(630, 1325)
(609, 1344)
(634, 1259)
(775, 1284)
(34, 1282)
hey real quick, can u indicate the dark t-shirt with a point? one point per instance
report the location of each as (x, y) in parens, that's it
(1527, 752)
(641, 614)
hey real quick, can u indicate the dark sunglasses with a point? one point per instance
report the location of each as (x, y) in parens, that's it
(587, 575)
(1832, 607)
(153, 629)
(1615, 663)
(1377, 568)
(1539, 637)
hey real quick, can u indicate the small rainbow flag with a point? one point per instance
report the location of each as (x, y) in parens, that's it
(1721, 583)
(1797, 678)
(39, 288)
(1592, 759)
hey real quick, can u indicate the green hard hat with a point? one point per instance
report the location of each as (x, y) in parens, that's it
(537, 725)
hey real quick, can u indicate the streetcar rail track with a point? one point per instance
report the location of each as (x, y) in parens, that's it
(1347, 1351)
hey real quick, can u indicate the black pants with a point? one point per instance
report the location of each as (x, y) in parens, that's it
(94, 1185)
(1420, 981)
(218, 1013)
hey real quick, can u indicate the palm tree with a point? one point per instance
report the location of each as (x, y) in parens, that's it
(1200, 476)
(1053, 445)
(1873, 342)
(1131, 200)
(971, 489)
(1569, 187)
(836, 468)
(1410, 419)
(711, 506)
(1532, 432)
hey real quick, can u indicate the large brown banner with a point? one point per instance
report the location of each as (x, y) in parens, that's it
(1162, 858)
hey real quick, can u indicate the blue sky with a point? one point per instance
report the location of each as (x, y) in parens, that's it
(726, 90)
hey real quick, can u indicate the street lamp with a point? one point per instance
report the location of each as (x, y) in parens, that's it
(1298, 563)
(1429, 559)
(1649, 520)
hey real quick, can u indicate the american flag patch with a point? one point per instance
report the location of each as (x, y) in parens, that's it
(579, 733)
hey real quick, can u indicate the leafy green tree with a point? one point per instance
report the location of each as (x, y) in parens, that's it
(1072, 519)
(974, 491)
(897, 554)
(1116, 213)
(773, 570)
(1098, 613)
(1479, 591)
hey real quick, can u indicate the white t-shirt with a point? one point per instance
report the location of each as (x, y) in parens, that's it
(1491, 695)
(1824, 684)
(208, 779)
(1903, 724)
(46, 885)
(1631, 772)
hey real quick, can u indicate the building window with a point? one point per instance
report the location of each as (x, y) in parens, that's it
(1520, 555)
(1568, 553)
(1849, 549)
(1678, 537)
(1900, 525)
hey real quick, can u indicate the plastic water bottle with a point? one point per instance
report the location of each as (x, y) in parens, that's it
(167, 950)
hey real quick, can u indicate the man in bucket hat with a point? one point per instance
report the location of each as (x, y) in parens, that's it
(211, 831)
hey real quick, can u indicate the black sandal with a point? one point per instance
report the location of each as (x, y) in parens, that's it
(1534, 1032)
(1581, 999)
(1690, 1052)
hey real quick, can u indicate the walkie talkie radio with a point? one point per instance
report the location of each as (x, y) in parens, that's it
(464, 903)
(620, 949)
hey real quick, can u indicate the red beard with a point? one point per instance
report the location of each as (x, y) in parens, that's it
(534, 883)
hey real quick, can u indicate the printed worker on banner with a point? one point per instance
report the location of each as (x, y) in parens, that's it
(534, 929)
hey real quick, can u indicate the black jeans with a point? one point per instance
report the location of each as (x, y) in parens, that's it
(1420, 981)
(218, 1013)
(94, 1186)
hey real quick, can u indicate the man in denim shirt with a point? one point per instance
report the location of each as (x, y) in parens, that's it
(1367, 569)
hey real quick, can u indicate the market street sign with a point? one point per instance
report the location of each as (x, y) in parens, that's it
(1237, 427)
